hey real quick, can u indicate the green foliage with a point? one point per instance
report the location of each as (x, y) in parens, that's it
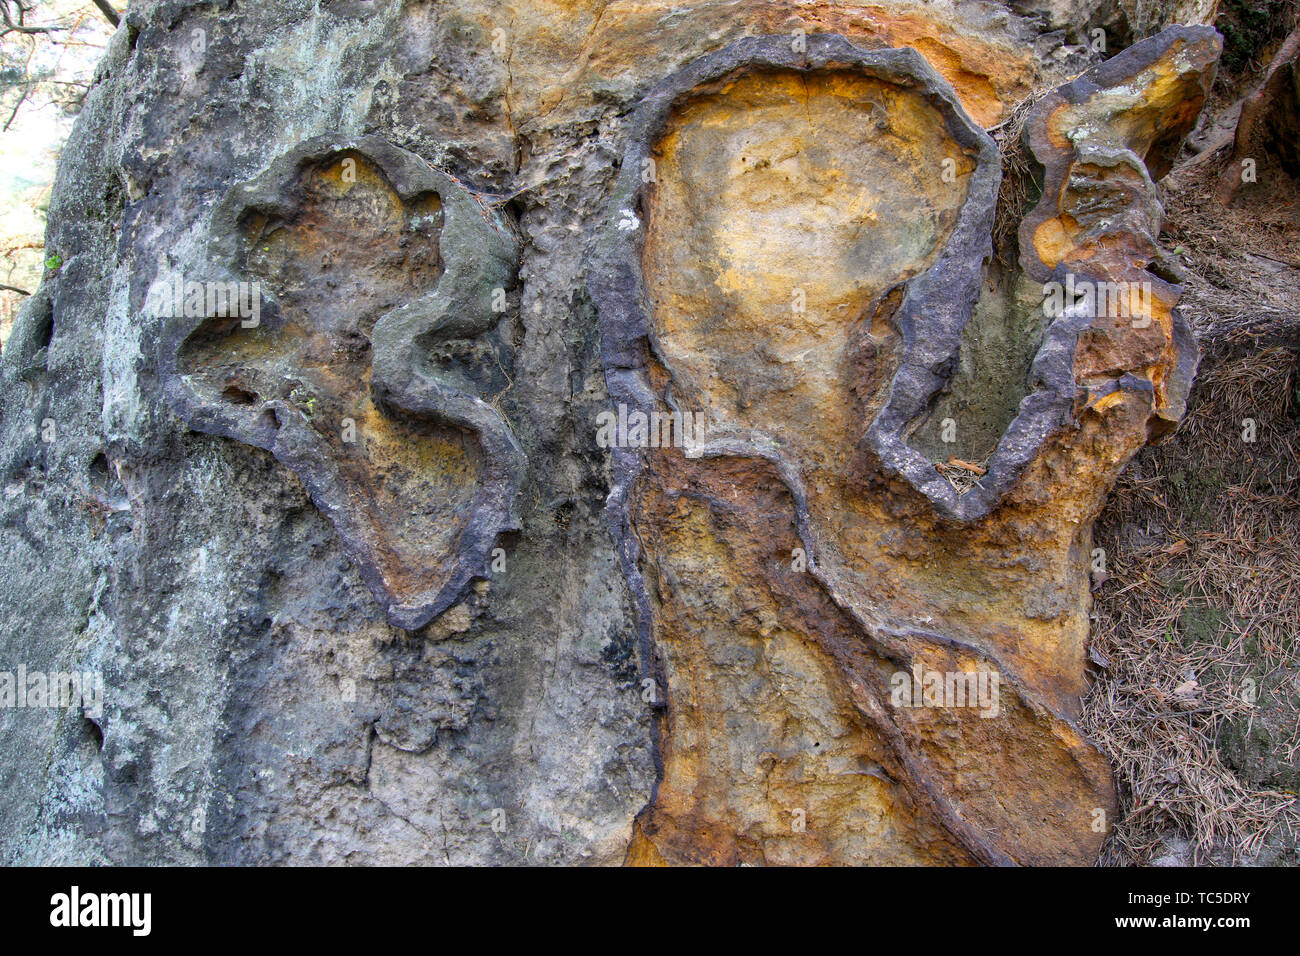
(1249, 25)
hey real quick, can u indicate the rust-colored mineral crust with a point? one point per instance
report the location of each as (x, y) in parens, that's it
(608, 44)
(858, 659)
(377, 274)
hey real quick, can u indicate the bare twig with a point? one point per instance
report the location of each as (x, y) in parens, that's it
(107, 10)
(22, 98)
(19, 26)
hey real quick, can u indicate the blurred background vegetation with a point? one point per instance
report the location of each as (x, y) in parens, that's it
(48, 52)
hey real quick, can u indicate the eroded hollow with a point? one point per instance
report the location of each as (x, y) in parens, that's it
(968, 418)
(787, 207)
(788, 211)
(350, 250)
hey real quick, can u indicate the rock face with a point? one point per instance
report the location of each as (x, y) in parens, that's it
(376, 565)
(379, 273)
(798, 272)
(1121, 19)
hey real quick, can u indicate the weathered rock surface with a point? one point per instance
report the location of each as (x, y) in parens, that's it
(810, 310)
(369, 260)
(463, 631)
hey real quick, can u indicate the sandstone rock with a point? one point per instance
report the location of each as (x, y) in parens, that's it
(1123, 20)
(368, 260)
(810, 307)
(474, 634)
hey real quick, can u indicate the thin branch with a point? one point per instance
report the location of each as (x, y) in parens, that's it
(20, 27)
(17, 106)
(107, 10)
(13, 288)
